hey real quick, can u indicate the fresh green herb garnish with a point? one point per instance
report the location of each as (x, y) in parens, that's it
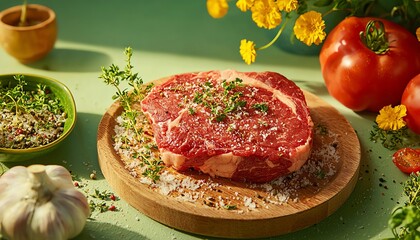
(100, 201)
(15, 95)
(114, 76)
(263, 107)
(321, 129)
(320, 174)
(221, 104)
(191, 110)
(32, 115)
(230, 207)
(19, 99)
(229, 86)
(391, 139)
(98, 206)
(153, 165)
(391, 130)
(104, 195)
(198, 98)
(405, 220)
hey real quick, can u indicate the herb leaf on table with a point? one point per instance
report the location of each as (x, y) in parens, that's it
(405, 220)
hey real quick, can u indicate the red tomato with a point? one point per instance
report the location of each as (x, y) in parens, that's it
(407, 160)
(358, 77)
(411, 99)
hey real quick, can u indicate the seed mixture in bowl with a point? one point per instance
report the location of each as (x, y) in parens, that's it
(29, 117)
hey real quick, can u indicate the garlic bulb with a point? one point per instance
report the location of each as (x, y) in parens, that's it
(41, 202)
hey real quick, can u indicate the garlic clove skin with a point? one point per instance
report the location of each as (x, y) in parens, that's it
(9, 194)
(18, 176)
(41, 202)
(61, 179)
(62, 217)
(16, 220)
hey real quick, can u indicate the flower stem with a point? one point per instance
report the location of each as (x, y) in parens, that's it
(276, 37)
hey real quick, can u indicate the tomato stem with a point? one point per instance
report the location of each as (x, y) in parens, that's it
(374, 37)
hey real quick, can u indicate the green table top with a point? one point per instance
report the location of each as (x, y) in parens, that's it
(170, 37)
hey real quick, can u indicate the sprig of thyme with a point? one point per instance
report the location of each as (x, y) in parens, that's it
(114, 76)
(153, 165)
(16, 95)
(391, 130)
(391, 139)
(19, 99)
(405, 220)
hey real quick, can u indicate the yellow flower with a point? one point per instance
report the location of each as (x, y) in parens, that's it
(266, 14)
(390, 118)
(287, 5)
(418, 33)
(244, 5)
(310, 28)
(247, 51)
(217, 8)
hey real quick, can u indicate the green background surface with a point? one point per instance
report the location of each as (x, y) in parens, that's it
(170, 37)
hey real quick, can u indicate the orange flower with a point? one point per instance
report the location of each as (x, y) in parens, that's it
(287, 5)
(391, 118)
(266, 14)
(244, 5)
(310, 28)
(217, 8)
(247, 51)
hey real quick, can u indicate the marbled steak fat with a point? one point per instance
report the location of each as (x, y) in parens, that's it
(246, 126)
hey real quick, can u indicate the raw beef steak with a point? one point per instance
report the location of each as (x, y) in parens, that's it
(243, 126)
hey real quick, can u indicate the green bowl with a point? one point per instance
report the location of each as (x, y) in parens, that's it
(66, 98)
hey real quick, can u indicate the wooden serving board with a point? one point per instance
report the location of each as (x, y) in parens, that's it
(222, 208)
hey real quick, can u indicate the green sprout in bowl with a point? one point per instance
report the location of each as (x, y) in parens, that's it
(30, 116)
(36, 115)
